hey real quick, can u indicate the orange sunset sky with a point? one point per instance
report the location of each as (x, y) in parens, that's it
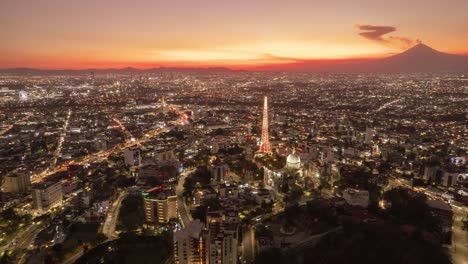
(239, 34)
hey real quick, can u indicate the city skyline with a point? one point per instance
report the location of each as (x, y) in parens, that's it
(233, 132)
(146, 34)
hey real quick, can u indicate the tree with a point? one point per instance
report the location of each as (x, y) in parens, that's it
(131, 215)
(411, 208)
(465, 224)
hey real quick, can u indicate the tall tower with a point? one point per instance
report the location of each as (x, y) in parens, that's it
(265, 146)
(164, 105)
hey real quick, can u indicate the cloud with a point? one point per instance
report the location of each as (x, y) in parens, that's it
(378, 34)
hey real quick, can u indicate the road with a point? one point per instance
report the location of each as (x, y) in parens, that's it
(95, 157)
(23, 238)
(459, 250)
(248, 245)
(108, 228)
(91, 158)
(71, 259)
(2, 132)
(122, 127)
(184, 212)
(383, 107)
(58, 150)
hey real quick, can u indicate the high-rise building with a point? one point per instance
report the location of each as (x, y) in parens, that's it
(160, 205)
(190, 243)
(164, 106)
(17, 183)
(369, 135)
(219, 171)
(46, 195)
(132, 156)
(265, 146)
(222, 239)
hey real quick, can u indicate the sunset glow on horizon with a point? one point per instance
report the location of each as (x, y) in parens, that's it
(55, 34)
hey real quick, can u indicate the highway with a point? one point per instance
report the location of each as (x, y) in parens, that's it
(383, 107)
(184, 213)
(108, 227)
(95, 157)
(24, 238)
(91, 158)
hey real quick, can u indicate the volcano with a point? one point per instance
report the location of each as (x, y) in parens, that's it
(420, 58)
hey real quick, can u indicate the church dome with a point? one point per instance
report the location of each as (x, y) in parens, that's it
(293, 158)
(293, 161)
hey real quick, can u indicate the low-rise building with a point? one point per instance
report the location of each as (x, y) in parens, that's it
(356, 197)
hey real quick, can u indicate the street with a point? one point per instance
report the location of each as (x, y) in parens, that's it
(248, 245)
(459, 250)
(108, 227)
(184, 213)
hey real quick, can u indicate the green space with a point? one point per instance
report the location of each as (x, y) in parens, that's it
(132, 249)
(131, 214)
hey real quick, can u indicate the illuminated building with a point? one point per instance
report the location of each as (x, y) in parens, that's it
(17, 183)
(369, 136)
(190, 244)
(265, 145)
(222, 239)
(160, 205)
(293, 161)
(229, 190)
(46, 195)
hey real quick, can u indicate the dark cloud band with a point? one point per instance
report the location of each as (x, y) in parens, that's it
(377, 33)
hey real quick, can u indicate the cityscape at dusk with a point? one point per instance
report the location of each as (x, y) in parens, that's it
(234, 132)
(239, 34)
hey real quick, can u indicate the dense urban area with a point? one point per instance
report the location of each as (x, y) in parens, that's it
(233, 167)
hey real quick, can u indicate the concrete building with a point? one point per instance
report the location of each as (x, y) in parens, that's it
(369, 136)
(356, 197)
(164, 155)
(160, 205)
(17, 183)
(219, 171)
(222, 239)
(190, 244)
(132, 156)
(46, 195)
(430, 173)
(449, 178)
(229, 190)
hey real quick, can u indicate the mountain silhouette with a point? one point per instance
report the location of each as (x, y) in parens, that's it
(420, 58)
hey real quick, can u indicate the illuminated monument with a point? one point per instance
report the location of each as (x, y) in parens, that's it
(265, 145)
